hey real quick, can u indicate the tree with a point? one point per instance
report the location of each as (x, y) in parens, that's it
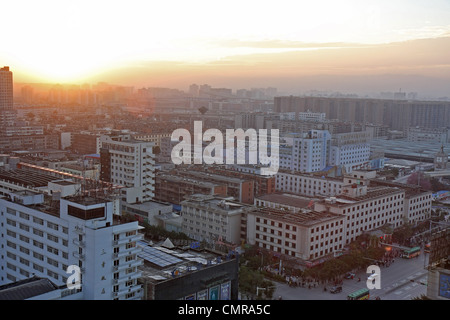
(332, 269)
(250, 280)
(402, 234)
(418, 178)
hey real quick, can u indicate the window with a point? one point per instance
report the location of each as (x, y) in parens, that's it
(52, 238)
(86, 214)
(52, 225)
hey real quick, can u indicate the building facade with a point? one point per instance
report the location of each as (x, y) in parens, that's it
(130, 163)
(307, 236)
(212, 218)
(307, 184)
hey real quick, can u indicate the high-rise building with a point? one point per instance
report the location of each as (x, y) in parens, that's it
(43, 237)
(6, 95)
(306, 152)
(398, 114)
(129, 163)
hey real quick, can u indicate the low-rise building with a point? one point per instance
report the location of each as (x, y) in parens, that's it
(174, 273)
(305, 235)
(212, 219)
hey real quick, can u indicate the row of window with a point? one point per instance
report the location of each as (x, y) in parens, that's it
(36, 231)
(42, 222)
(35, 266)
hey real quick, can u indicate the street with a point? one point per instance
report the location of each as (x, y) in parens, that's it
(404, 279)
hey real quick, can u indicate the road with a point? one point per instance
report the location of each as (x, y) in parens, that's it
(404, 279)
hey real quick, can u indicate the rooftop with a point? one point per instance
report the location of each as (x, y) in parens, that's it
(26, 177)
(165, 261)
(25, 289)
(306, 219)
(287, 199)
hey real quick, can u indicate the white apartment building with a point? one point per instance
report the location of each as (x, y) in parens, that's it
(350, 150)
(130, 163)
(210, 218)
(305, 152)
(43, 239)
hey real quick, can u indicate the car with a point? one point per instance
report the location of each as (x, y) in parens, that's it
(349, 275)
(336, 289)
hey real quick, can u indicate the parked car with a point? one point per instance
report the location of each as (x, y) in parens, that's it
(336, 289)
(349, 275)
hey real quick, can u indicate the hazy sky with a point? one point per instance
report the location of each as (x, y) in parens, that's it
(76, 41)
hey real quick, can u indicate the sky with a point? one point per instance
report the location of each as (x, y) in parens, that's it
(176, 42)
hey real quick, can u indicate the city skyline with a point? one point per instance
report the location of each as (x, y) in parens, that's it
(350, 46)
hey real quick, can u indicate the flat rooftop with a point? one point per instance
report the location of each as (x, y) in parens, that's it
(27, 177)
(215, 203)
(306, 219)
(287, 199)
(163, 262)
(423, 151)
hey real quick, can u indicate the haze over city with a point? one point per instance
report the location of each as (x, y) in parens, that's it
(242, 151)
(349, 46)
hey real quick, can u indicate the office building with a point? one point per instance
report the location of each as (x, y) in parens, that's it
(307, 236)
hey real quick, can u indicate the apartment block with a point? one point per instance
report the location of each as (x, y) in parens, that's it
(42, 238)
(210, 218)
(129, 163)
(397, 114)
(350, 150)
(306, 152)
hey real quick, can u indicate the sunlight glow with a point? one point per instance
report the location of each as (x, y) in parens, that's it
(60, 40)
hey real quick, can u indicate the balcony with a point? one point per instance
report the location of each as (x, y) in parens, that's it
(79, 256)
(79, 243)
(126, 265)
(126, 252)
(123, 278)
(127, 239)
(136, 288)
